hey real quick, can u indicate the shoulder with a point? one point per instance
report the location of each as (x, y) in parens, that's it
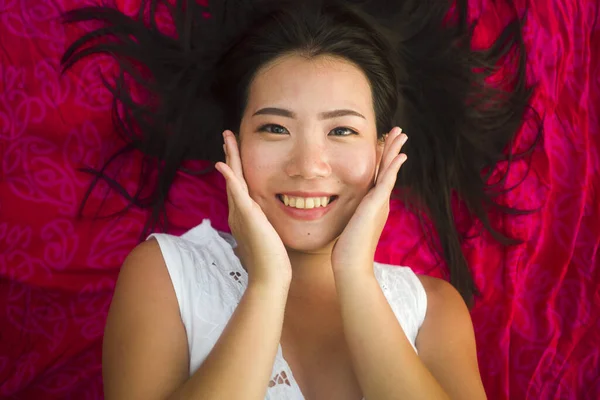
(447, 326)
(145, 260)
(144, 331)
(440, 292)
(445, 305)
(144, 249)
(446, 341)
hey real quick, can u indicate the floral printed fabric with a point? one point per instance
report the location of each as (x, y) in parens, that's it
(537, 323)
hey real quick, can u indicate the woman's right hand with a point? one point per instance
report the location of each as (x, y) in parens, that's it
(259, 246)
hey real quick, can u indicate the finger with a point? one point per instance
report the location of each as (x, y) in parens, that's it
(389, 176)
(389, 138)
(389, 142)
(227, 185)
(220, 167)
(234, 156)
(393, 146)
(237, 195)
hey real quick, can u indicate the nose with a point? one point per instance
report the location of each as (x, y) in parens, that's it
(308, 159)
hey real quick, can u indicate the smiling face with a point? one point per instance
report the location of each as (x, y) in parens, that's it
(294, 138)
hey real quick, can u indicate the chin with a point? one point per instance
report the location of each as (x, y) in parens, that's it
(307, 241)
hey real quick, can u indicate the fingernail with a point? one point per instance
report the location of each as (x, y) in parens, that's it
(404, 139)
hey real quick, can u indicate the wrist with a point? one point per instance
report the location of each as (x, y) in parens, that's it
(351, 264)
(272, 285)
(353, 276)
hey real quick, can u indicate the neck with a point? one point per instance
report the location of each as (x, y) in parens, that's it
(312, 276)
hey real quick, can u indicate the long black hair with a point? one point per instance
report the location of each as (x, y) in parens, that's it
(416, 54)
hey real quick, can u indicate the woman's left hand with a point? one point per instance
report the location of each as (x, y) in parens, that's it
(354, 251)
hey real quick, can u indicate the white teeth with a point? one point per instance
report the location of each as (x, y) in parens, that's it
(305, 203)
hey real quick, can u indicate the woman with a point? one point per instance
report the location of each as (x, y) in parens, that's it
(309, 96)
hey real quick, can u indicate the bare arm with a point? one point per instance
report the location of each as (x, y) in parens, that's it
(385, 363)
(446, 341)
(240, 364)
(145, 354)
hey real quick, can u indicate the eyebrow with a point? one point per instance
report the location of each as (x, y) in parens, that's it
(289, 114)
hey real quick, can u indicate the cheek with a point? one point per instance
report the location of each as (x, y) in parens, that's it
(256, 165)
(358, 172)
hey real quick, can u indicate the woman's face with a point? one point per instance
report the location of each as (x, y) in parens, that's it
(309, 126)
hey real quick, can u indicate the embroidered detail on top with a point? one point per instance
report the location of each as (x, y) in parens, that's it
(236, 275)
(280, 379)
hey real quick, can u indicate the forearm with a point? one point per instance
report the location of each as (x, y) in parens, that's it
(240, 364)
(386, 365)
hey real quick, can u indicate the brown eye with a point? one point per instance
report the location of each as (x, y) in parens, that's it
(342, 131)
(274, 129)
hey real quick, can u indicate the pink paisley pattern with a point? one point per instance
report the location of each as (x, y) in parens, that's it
(537, 325)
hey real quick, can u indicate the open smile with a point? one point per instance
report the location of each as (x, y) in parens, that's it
(301, 212)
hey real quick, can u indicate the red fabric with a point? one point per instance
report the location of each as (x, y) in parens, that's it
(537, 325)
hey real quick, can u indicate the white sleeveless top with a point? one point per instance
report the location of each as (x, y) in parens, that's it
(209, 282)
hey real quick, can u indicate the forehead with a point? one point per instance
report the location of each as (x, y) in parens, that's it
(323, 82)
